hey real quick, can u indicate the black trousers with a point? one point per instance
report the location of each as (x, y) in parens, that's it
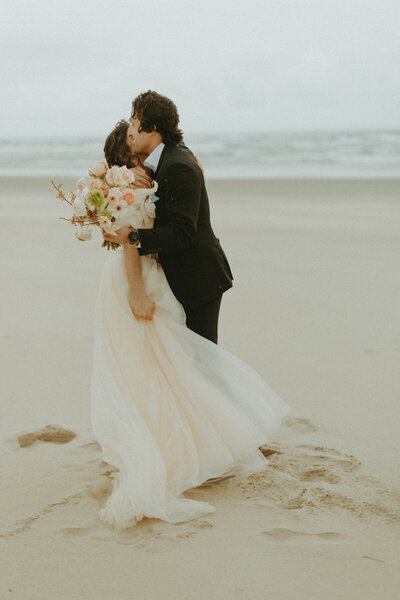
(204, 319)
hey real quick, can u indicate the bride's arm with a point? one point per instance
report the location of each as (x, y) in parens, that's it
(141, 306)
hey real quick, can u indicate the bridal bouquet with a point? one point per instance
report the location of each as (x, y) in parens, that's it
(106, 199)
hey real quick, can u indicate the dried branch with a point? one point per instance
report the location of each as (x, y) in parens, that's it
(61, 194)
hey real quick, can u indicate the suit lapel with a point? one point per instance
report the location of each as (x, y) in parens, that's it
(159, 207)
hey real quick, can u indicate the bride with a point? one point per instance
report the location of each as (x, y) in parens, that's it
(170, 408)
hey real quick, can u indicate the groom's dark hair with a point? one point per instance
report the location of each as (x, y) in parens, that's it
(159, 112)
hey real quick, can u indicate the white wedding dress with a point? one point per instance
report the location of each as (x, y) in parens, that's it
(169, 408)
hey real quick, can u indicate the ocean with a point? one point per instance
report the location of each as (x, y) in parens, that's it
(337, 154)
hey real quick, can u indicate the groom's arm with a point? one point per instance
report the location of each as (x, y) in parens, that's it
(182, 209)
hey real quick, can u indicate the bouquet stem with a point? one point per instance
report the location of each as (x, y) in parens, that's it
(110, 245)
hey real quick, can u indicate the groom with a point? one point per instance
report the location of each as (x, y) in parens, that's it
(192, 258)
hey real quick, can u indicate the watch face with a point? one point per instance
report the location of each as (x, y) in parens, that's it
(133, 236)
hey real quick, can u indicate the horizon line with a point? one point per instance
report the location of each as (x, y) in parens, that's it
(213, 132)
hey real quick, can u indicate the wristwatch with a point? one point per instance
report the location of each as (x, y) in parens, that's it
(134, 237)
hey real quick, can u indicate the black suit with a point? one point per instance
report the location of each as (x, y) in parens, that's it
(194, 263)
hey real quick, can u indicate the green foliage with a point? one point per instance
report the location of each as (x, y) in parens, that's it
(96, 198)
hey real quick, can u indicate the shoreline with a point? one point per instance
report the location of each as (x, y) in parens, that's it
(266, 186)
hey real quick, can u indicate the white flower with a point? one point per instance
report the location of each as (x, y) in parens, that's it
(114, 195)
(117, 206)
(83, 193)
(149, 208)
(82, 183)
(119, 176)
(79, 207)
(84, 234)
(113, 176)
(98, 168)
(104, 221)
(108, 225)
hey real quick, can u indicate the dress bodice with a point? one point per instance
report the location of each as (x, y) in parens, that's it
(140, 213)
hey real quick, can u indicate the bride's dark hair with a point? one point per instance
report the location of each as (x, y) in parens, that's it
(116, 151)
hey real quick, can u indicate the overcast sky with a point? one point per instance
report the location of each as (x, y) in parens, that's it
(74, 67)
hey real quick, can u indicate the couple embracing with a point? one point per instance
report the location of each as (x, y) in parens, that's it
(170, 408)
(190, 254)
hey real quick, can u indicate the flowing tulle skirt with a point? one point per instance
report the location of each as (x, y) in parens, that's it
(169, 408)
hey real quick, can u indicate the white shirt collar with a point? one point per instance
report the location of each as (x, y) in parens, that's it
(153, 159)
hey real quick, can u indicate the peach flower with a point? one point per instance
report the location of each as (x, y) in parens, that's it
(129, 197)
(104, 188)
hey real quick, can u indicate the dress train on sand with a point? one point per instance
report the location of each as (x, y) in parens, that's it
(169, 408)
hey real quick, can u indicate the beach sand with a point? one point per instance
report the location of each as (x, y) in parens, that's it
(315, 308)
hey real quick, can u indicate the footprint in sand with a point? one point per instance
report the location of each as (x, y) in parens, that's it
(300, 425)
(287, 537)
(153, 535)
(319, 475)
(313, 479)
(166, 538)
(49, 433)
(74, 532)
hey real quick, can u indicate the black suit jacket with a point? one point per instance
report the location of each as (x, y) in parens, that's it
(192, 258)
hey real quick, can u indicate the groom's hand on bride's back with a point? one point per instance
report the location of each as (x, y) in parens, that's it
(142, 179)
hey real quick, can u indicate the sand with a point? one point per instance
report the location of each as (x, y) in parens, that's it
(315, 308)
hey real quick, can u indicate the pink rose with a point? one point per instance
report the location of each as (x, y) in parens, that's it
(119, 176)
(127, 175)
(95, 184)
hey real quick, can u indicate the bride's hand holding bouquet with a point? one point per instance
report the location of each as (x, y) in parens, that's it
(111, 200)
(107, 199)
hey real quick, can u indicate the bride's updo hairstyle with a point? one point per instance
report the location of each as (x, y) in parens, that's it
(154, 110)
(116, 151)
